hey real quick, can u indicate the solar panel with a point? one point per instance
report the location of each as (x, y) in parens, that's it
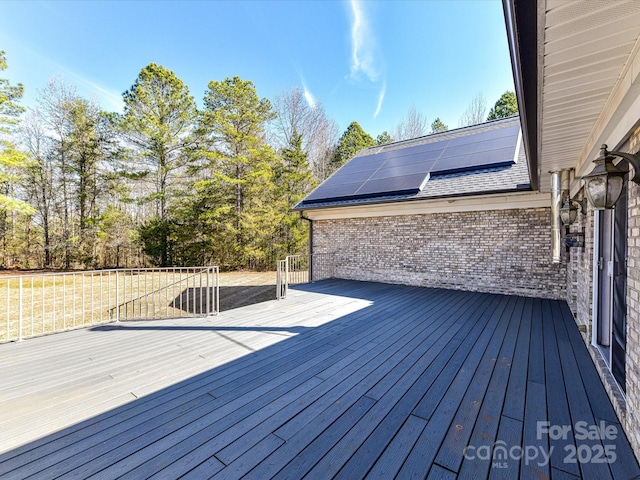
(367, 162)
(355, 177)
(333, 192)
(472, 161)
(399, 170)
(391, 186)
(491, 148)
(413, 158)
(406, 170)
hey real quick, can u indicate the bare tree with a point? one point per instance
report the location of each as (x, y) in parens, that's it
(40, 175)
(294, 116)
(475, 112)
(54, 100)
(322, 149)
(413, 125)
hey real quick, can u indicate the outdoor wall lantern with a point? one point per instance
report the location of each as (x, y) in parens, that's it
(569, 210)
(603, 185)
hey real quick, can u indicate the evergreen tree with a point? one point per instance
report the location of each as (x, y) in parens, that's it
(158, 118)
(506, 106)
(238, 194)
(12, 161)
(295, 180)
(14, 213)
(384, 138)
(351, 142)
(438, 126)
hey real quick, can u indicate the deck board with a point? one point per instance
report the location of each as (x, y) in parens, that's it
(514, 400)
(483, 400)
(392, 408)
(459, 380)
(342, 379)
(557, 405)
(485, 430)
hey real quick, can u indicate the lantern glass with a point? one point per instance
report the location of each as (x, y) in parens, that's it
(603, 191)
(604, 184)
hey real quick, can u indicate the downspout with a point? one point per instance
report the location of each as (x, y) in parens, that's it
(556, 203)
(310, 245)
(560, 182)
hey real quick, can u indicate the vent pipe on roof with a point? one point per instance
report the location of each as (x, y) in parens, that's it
(560, 182)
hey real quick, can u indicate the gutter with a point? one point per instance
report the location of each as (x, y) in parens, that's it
(414, 198)
(522, 23)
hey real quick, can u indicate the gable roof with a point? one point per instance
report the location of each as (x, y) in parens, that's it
(475, 160)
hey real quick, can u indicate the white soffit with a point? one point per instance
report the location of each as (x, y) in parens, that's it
(588, 49)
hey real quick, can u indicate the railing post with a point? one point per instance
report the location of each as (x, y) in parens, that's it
(81, 299)
(209, 274)
(117, 297)
(8, 309)
(217, 290)
(20, 311)
(279, 280)
(286, 276)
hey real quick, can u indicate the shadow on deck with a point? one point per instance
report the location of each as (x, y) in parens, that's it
(200, 300)
(363, 379)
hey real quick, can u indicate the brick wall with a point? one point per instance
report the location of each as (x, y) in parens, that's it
(631, 420)
(580, 271)
(499, 251)
(580, 295)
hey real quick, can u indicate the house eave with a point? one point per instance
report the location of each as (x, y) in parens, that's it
(418, 206)
(575, 67)
(522, 37)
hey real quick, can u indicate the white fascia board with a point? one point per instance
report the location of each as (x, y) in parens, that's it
(478, 203)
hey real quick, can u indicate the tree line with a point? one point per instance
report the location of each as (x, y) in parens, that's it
(165, 182)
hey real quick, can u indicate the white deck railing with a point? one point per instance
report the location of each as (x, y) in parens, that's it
(39, 304)
(297, 269)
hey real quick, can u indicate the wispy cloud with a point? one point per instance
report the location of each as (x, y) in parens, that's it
(363, 60)
(108, 98)
(367, 65)
(383, 90)
(308, 96)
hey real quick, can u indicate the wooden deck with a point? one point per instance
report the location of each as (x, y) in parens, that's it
(340, 380)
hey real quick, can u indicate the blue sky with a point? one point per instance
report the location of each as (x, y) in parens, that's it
(368, 61)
